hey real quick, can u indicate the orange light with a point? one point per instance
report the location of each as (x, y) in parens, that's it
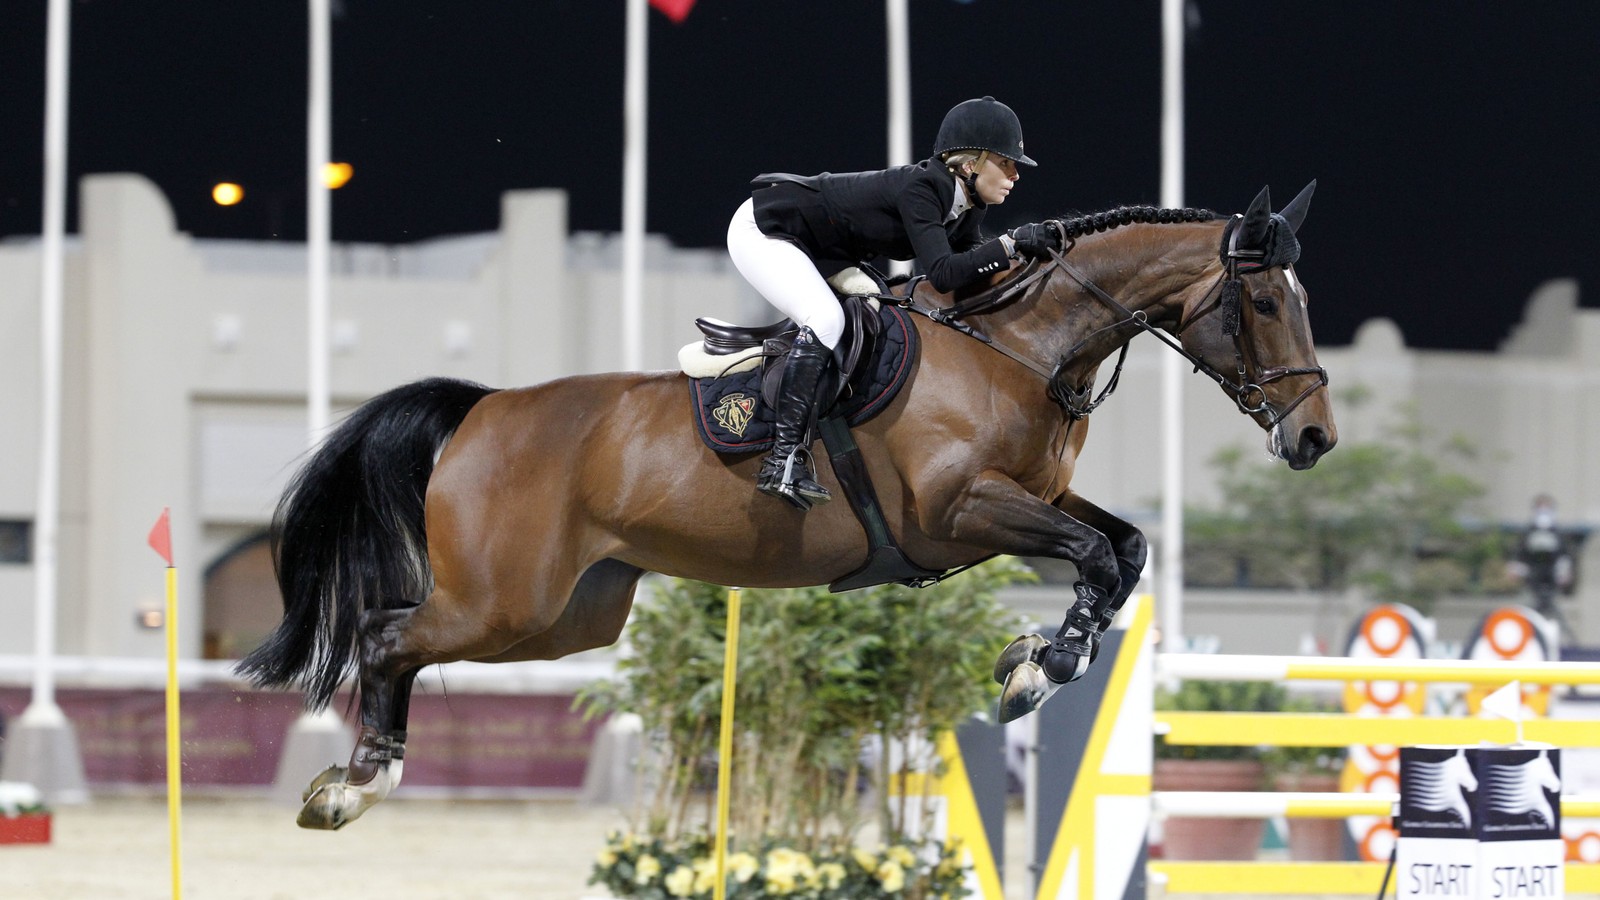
(227, 193)
(336, 174)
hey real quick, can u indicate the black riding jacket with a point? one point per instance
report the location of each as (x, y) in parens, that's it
(841, 220)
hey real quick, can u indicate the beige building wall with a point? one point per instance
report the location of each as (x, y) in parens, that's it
(186, 371)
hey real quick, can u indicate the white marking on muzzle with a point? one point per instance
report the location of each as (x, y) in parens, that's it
(1277, 443)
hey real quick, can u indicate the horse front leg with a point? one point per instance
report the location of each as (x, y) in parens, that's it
(997, 513)
(340, 794)
(1127, 542)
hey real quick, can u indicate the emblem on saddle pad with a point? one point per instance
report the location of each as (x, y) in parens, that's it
(733, 412)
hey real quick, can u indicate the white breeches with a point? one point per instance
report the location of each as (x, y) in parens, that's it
(785, 275)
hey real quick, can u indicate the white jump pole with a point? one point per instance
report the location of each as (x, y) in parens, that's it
(42, 748)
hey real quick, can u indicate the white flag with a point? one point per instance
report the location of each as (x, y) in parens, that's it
(1507, 704)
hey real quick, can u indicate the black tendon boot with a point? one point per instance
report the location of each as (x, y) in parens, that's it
(1045, 667)
(786, 472)
(1069, 654)
(1113, 604)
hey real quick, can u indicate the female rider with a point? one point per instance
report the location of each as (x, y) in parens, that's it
(796, 231)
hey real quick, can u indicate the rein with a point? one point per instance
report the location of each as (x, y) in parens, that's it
(1249, 395)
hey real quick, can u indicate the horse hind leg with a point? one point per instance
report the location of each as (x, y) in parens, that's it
(340, 794)
(397, 643)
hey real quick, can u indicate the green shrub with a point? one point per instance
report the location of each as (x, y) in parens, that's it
(819, 674)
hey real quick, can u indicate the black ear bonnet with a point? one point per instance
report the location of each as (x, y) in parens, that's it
(1256, 241)
(1261, 239)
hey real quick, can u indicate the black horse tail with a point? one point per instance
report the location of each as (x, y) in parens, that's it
(348, 534)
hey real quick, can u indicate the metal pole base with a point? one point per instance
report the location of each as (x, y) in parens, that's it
(41, 749)
(315, 741)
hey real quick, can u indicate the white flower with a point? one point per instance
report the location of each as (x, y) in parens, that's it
(891, 876)
(743, 866)
(681, 882)
(16, 796)
(647, 868)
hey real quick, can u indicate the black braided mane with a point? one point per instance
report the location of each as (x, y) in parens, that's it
(1125, 215)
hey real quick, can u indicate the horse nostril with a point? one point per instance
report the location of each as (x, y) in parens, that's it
(1313, 441)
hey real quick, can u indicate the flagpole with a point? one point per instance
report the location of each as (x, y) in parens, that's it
(316, 737)
(634, 120)
(42, 748)
(318, 216)
(1172, 373)
(898, 20)
(160, 540)
(47, 518)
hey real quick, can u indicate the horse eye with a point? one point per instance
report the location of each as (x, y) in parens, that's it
(1266, 305)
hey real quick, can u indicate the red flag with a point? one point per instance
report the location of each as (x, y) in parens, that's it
(161, 535)
(676, 10)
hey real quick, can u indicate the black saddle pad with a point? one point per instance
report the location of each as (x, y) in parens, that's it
(732, 418)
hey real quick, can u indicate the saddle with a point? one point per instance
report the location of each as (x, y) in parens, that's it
(736, 401)
(734, 376)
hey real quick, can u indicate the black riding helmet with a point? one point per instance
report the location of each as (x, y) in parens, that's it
(985, 124)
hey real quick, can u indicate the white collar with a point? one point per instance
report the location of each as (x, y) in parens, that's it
(961, 204)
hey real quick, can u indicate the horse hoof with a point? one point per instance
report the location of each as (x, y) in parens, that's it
(1026, 647)
(1026, 689)
(324, 809)
(330, 775)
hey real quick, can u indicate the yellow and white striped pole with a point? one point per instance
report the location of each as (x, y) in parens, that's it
(1221, 667)
(730, 679)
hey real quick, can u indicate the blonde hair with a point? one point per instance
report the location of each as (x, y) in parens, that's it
(955, 159)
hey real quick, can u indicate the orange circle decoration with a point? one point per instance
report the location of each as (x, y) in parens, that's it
(1584, 847)
(1385, 630)
(1393, 692)
(1508, 633)
(1382, 781)
(1377, 842)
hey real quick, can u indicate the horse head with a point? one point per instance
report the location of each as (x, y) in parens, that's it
(1255, 335)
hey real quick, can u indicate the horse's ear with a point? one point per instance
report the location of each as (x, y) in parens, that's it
(1257, 219)
(1295, 212)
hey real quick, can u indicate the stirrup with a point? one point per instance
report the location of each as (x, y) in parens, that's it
(788, 486)
(787, 492)
(805, 483)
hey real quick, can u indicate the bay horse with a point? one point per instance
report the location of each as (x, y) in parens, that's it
(446, 521)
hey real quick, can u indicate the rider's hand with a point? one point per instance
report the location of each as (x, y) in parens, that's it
(1036, 240)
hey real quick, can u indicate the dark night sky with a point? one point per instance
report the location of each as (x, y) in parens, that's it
(1453, 142)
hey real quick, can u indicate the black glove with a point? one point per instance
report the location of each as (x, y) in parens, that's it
(1036, 240)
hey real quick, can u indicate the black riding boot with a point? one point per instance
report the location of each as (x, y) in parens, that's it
(786, 471)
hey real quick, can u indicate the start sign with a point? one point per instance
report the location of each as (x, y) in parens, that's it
(1480, 822)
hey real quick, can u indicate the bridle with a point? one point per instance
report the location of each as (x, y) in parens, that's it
(1248, 391)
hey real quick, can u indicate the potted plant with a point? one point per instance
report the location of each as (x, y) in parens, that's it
(1313, 769)
(1189, 768)
(23, 816)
